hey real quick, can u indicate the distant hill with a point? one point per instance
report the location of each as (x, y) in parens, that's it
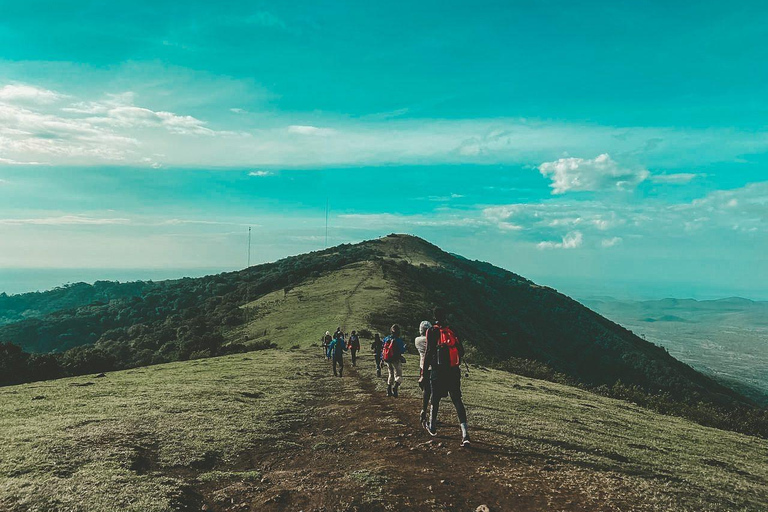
(501, 315)
(725, 338)
(14, 308)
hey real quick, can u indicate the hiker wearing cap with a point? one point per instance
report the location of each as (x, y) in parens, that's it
(421, 345)
(392, 352)
(337, 349)
(442, 359)
(376, 347)
(354, 346)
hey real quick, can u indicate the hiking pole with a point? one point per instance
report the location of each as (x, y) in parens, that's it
(467, 367)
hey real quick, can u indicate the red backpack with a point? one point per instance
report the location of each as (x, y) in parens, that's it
(388, 351)
(447, 349)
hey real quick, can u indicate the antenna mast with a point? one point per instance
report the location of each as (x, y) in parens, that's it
(248, 279)
(249, 246)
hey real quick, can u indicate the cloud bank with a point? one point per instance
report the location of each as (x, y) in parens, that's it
(44, 126)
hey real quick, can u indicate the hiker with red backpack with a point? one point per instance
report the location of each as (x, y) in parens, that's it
(442, 360)
(354, 346)
(392, 352)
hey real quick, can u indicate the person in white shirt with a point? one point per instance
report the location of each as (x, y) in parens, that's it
(421, 346)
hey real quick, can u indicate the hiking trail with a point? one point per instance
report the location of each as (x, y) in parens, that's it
(360, 450)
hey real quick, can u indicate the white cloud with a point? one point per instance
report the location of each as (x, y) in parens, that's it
(600, 173)
(111, 129)
(120, 128)
(310, 130)
(572, 240)
(20, 93)
(674, 179)
(610, 242)
(260, 174)
(64, 220)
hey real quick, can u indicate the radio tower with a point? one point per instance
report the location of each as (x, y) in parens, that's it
(326, 222)
(248, 278)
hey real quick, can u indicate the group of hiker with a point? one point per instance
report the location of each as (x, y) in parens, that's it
(440, 356)
(335, 346)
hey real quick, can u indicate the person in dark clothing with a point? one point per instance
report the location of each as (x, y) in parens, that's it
(376, 347)
(354, 346)
(442, 358)
(337, 349)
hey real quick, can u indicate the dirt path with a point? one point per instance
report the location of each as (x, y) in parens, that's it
(362, 451)
(348, 300)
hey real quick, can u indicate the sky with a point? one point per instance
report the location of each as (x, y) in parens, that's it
(601, 148)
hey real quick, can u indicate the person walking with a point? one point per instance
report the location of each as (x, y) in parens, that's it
(354, 346)
(326, 343)
(337, 349)
(442, 358)
(392, 353)
(376, 347)
(421, 345)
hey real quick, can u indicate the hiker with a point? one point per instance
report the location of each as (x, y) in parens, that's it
(442, 359)
(421, 345)
(354, 346)
(392, 353)
(376, 346)
(337, 349)
(326, 342)
(338, 333)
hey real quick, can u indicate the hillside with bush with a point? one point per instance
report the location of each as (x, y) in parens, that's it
(506, 320)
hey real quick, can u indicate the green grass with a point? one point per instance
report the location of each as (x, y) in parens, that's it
(143, 439)
(667, 462)
(218, 476)
(124, 442)
(301, 316)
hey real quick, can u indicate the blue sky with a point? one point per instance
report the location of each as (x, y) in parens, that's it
(593, 146)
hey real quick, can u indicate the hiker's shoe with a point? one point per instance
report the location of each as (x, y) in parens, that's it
(465, 441)
(394, 390)
(431, 431)
(378, 373)
(389, 390)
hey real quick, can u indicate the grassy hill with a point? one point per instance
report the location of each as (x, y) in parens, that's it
(273, 430)
(504, 319)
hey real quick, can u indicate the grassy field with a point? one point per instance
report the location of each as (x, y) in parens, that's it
(158, 438)
(134, 440)
(301, 315)
(611, 448)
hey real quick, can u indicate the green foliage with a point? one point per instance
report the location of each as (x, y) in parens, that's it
(14, 308)
(504, 319)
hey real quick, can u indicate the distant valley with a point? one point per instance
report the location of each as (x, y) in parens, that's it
(725, 338)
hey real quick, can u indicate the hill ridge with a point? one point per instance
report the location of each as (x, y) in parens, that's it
(503, 317)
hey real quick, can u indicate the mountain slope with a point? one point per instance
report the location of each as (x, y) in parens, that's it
(274, 430)
(498, 313)
(395, 279)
